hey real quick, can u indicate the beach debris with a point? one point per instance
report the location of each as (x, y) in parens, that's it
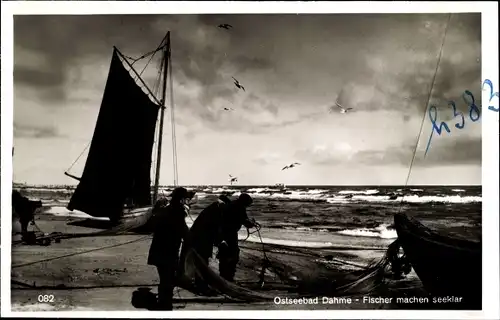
(225, 26)
(143, 298)
(238, 84)
(290, 166)
(109, 271)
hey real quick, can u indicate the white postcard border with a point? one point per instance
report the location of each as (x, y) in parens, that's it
(490, 146)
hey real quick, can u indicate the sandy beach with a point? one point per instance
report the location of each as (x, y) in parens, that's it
(100, 273)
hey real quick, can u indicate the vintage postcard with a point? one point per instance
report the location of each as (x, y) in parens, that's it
(164, 159)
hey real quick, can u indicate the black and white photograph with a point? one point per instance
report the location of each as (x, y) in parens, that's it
(176, 162)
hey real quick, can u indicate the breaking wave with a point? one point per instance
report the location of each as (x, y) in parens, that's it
(302, 243)
(305, 194)
(412, 199)
(382, 231)
(370, 191)
(346, 196)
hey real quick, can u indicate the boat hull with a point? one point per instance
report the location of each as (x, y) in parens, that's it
(447, 267)
(137, 218)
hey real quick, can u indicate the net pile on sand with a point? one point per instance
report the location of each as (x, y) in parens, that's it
(262, 271)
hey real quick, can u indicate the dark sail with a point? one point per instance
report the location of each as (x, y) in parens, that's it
(119, 160)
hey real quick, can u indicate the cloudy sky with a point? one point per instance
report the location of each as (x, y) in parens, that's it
(293, 68)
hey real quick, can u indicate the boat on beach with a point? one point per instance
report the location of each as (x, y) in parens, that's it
(116, 180)
(446, 266)
(116, 183)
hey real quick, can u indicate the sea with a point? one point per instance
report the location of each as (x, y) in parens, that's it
(356, 220)
(325, 216)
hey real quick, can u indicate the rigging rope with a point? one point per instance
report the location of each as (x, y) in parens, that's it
(425, 113)
(80, 252)
(172, 120)
(149, 61)
(70, 167)
(160, 47)
(134, 60)
(157, 133)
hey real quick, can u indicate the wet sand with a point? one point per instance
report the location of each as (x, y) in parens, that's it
(103, 271)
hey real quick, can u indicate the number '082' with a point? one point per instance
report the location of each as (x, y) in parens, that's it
(45, 298)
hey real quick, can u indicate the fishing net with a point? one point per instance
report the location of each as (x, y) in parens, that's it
(265, 270)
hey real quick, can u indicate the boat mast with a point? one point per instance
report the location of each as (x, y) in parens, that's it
(166, 53)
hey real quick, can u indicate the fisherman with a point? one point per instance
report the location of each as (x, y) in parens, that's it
(204, 234)
(25, 209)
(234, 216)
(169, 228)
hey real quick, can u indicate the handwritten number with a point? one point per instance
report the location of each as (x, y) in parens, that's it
(472, 105)
(438, 130)
(492, 94)
(455, 113)
(433, 117)
(474, 112)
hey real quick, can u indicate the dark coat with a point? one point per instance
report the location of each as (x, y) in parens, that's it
(205, 230)
(233, 218)
(169, 229)
(24, 207)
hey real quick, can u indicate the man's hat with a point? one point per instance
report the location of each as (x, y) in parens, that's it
(246, 199)
(182, 193)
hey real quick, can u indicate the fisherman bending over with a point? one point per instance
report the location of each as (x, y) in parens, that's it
(169, 228)
(234, 216)
(204, 233)
(25, 209)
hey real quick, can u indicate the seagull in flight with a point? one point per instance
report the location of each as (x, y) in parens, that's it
(238, 84)
(290, 166)
(232, 179)
(225, 26)
(228, 109)
(342, 109)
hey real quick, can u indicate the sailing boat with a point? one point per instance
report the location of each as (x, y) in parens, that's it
(116, 180)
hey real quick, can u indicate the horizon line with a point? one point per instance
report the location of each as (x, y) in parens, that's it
(273, 185)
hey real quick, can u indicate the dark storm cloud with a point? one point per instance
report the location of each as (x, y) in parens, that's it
(280, 59)
(407, 87)
(249, 63)
(460, 67)
(453, 152)
(26, 131)
(63, 40)
(44, 79)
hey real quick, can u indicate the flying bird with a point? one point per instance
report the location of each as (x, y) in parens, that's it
(225, 26)
(228, 109)
(232, 179)
(238, 84)
(290, 166)
(342, 109)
